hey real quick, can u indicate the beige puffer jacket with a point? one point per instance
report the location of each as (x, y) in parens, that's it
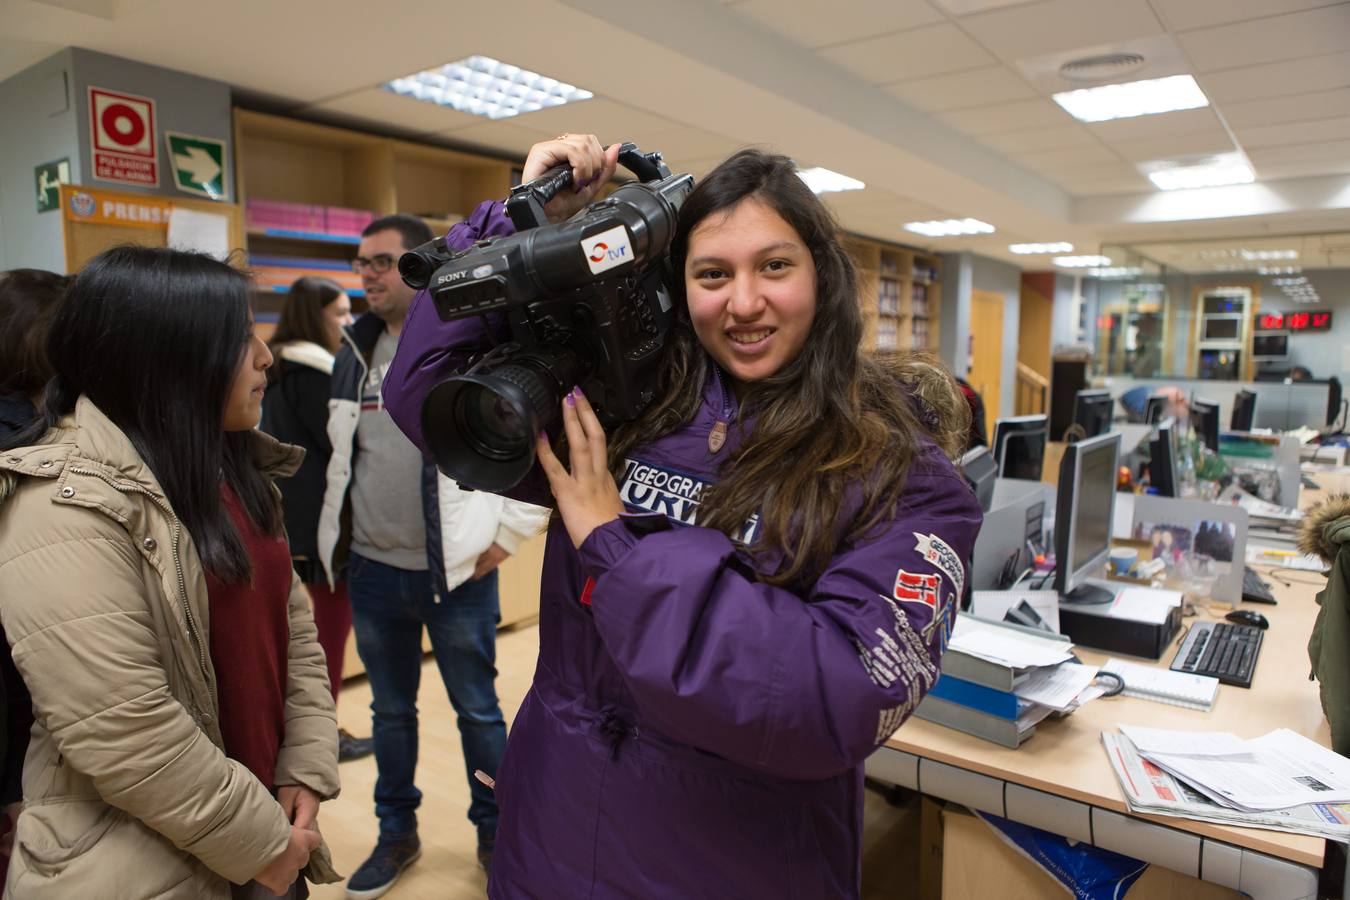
(103, 598)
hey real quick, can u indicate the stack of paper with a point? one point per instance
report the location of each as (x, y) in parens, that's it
(999, 681)
(1281, 780)
(1267, 523)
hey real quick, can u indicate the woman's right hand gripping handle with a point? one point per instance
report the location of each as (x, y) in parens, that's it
(281, 872)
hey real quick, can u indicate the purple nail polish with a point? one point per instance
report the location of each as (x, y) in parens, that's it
(543, 435)
(576, 391)
(571, 400)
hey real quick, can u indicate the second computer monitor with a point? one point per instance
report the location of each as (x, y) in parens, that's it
(1155, 409)
(1163, 466)
(1084, 508)
(1092, 411)
(1205, 419)
(1019, 446)
(1244, 411)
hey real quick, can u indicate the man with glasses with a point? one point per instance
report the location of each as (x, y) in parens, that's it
(420, 553)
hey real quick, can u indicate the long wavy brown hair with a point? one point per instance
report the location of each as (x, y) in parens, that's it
(831, 422)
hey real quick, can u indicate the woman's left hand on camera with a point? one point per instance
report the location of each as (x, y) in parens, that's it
(592, 166)
(587, 495)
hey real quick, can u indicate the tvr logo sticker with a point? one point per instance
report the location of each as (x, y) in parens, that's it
(607, 249)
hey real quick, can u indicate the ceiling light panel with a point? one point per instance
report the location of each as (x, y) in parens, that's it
(949, 227)
(824, 181)
(1216, 171)
(486, 87)
(1135, 98)
(1041, 248)
(1082, 262)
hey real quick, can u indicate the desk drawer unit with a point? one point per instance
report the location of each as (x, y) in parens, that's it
(1259, 875)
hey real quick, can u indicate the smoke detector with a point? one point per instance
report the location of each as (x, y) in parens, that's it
(1104, 67)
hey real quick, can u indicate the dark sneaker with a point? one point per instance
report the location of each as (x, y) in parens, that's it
(350, 748)
(485, 855)
(385, 864)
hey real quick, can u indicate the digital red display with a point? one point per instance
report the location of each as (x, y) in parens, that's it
(1270, 322)
(1299, 321)
(1308, 321)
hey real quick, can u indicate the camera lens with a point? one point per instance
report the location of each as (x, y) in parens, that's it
(493, 425)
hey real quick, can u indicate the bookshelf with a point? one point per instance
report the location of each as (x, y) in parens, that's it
(900, 294)
(308, 189)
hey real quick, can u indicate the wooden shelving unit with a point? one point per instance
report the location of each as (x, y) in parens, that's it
(900, 295)
(308, 163)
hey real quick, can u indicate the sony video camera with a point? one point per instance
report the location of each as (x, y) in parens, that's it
(587, 302)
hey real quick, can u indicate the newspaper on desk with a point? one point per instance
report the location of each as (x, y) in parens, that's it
(1150, 788)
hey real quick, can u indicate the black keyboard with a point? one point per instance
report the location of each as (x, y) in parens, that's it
(1254, 589)
(1221, 650)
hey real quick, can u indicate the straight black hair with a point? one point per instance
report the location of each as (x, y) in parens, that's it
(154, 337)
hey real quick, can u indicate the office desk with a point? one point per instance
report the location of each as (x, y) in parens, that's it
(1061, 781)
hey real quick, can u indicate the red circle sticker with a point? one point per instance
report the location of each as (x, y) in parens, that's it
(123, 124)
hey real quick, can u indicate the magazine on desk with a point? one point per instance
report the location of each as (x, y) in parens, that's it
(1150, 789)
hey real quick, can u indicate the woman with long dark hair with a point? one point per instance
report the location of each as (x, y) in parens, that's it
(746, 591)
(184, 731)
(295, 411)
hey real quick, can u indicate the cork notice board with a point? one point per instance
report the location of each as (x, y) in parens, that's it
(94, 219)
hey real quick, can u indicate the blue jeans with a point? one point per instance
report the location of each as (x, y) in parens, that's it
(390, 606)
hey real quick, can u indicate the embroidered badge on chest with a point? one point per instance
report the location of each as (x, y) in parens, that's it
(672, 493)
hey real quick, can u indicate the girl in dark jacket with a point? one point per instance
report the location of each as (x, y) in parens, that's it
(295, 411)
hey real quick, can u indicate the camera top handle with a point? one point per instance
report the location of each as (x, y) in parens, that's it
(525, 206)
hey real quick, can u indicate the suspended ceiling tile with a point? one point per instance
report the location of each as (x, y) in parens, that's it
(685, 142)
(1058, 25)
(977, 87)
(388, 109)
(500, 136)
(1255, 136)
(607, 119)
(1320, 152)
(1019, 116)
(1296, 108)
(1274, 171)
(1051, 138)
(930, 50)
(1294, 76)
(1175, 146)
(1187, 15)
(1088, 154)
(1293, 36)
(840, 21)
(1184, 121)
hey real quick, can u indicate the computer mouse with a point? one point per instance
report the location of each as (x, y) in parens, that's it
(1248, 617)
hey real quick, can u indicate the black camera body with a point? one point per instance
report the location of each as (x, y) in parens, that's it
(587, 302)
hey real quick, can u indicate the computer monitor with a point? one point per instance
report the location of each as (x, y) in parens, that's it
(1092, 411)
(1019, 446)
(1163, 467)
(1155, 409)
(1083, 512)
(1205, 419)
(1244, 411)
(1334, 411)
(980, 470)
(1270, 345)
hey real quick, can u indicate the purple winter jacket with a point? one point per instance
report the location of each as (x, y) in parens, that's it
(692, 732)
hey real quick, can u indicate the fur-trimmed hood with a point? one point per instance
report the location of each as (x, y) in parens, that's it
(1326, 527)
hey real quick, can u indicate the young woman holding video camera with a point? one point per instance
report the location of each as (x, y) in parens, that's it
(746, 591)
